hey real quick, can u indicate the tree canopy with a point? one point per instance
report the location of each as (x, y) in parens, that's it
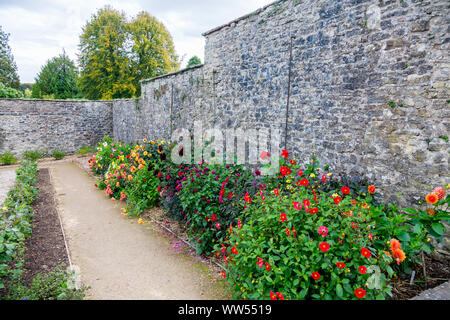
(116, 54)
(57, 79)
(8, 67)
(193, 62)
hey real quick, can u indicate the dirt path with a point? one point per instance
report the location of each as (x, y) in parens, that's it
(119, 258)
(7, 179)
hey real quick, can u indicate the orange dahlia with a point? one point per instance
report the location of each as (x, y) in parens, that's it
(399, 255)
(432, 198)
(371, 189)
(395, 244)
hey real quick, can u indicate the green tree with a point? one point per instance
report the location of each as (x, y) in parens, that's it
(8, 68)
(116, 54)
(57, 79)
(105, 69)
(193, 62)
(152, 52)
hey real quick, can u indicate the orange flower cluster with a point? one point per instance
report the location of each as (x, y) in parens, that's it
(396, 250)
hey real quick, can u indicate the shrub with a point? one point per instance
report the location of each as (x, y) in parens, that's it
(210, 197)
(32, 155)
(58, 154)
(300, 243)
(107, 150)
(147, 164)
(8, 158)
(6, 92)
(413, 227)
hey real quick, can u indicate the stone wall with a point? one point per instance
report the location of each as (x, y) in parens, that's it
(49, 124)
(368, 87)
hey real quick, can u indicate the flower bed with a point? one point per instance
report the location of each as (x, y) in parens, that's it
(16, 215)
(302, 234)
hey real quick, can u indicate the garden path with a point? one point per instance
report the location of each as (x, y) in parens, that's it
(7, 179)
(117, 257)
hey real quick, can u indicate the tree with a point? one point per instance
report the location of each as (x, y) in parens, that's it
(8, 68)
(153, 52)
(57, 79)
(193, 62)
(116, 54)
(105, 68)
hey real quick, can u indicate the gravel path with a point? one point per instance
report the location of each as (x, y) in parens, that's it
(7, 178)
(119, 258)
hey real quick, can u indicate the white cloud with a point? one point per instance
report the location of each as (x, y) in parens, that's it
(41, 29)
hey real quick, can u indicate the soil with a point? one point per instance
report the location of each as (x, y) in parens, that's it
(437, 272)
(45, 249)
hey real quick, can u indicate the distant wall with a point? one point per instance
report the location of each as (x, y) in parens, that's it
(49, 124)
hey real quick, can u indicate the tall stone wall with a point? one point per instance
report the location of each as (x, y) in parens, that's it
(172, 101)
(48, 124)
(368, 87)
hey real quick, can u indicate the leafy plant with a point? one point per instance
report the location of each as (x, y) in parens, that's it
(7, 92)
(55, 285)
(32, 155)
(8, 158)
(58, 154)
(15, 220)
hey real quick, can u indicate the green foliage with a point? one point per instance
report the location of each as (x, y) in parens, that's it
(8, 158)
(57, 79)
(142, 192)
(32, 155)
(413, 227)
(6, 92)
(193, 62)
(116, 54)
(103, 60)
(106, 152)
(58, 154)
(85, 150)
(296, 230)
(153, 51)
(55, 285)
(210, 197)
(8, 67)
(274, 232)
(15, 220)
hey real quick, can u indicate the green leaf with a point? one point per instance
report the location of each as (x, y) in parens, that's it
(403, 236)
(339, 290)
(417, 228)
(438, 228)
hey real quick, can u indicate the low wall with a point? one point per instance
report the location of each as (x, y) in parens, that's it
(50, 124)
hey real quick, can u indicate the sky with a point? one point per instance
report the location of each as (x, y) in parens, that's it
(40, 29)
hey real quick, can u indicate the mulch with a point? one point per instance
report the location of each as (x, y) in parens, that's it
(438, 272)
(45, 249)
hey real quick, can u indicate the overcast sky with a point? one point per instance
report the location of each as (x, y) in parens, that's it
(40, 29)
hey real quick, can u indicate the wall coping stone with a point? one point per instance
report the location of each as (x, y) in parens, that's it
(256, 12)
(171, 74)
(53, 100)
